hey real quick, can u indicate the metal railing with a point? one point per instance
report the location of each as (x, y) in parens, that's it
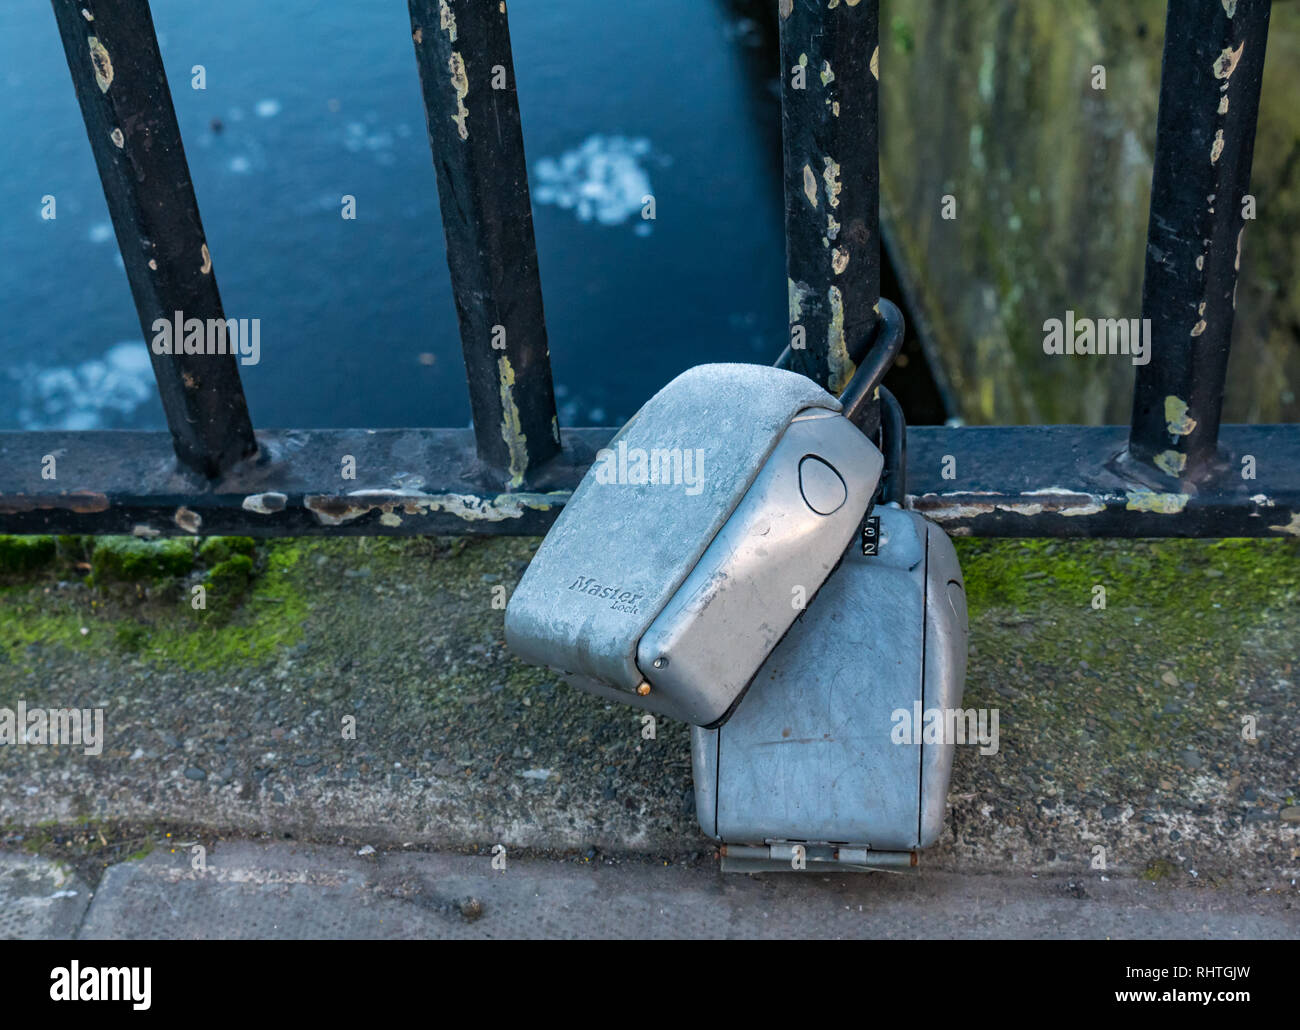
(1174, 472)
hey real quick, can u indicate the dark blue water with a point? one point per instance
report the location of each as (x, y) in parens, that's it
(321, 99)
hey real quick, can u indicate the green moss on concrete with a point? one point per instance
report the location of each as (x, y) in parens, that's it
(217, 549)
(1176, 576)
(131, 637)
(20, 554)
(227, 583)
(269, 619)
(75, 551)
(127, 559)
(1145, 680)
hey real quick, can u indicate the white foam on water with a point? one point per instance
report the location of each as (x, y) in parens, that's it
(96, 394)
(360, 136)
(604, 179)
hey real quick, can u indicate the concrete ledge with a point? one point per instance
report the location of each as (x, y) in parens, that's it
(1121, 728)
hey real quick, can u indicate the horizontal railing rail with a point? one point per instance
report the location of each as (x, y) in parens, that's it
(1173, 472)
(1010, 481)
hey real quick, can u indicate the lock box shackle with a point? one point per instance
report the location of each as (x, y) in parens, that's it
(860, 397)
(873, 357)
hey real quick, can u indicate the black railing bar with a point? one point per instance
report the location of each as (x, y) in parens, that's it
(462, 48)
(1211, 73)
(1020, 481)
(113, 56)
(829, 115)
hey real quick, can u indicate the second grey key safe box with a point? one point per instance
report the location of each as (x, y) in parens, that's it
(695, 540)
(826, 752)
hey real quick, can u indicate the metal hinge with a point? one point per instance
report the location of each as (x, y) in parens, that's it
(795, 856)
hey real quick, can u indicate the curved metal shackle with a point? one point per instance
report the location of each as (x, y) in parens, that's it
(859, 398)
(874, 357)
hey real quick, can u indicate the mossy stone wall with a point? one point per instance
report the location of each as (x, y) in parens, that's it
(992, 103)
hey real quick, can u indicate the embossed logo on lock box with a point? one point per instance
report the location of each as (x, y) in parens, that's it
(623, 600)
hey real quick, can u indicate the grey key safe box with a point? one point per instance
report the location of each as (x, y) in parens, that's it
(813, 755)
(695, 540)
